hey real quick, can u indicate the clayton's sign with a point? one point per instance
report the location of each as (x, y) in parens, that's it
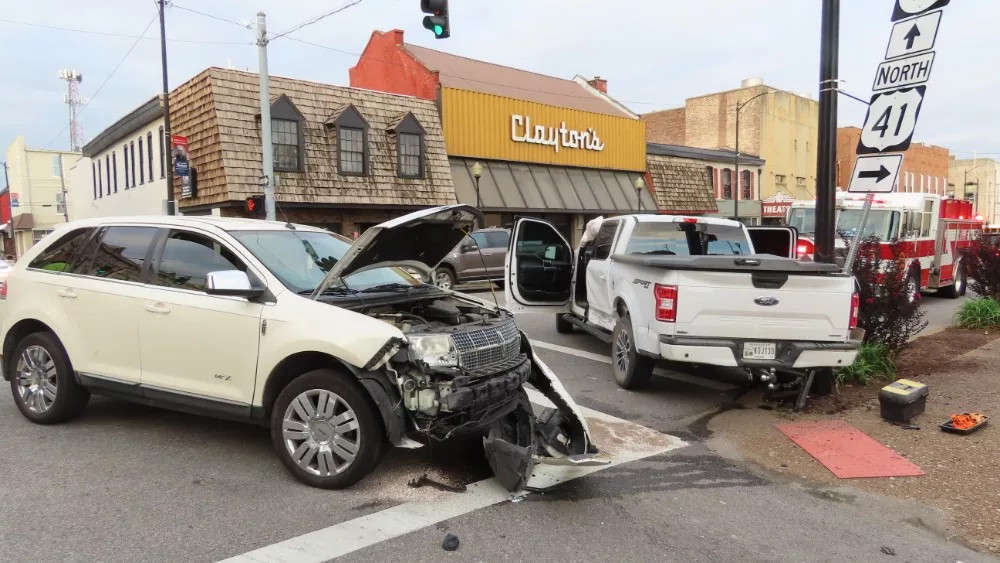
(521, 131)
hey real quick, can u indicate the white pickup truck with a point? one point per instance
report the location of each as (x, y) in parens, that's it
(691, 290)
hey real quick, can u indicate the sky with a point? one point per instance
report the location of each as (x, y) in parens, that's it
(653, 53)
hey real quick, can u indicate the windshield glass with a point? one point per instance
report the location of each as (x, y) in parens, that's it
(881, 223)
(687, 239)
(803, 219)
(300, 259)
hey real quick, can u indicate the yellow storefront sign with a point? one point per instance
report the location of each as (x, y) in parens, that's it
(487, 126)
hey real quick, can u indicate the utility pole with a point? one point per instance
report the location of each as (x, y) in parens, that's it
(826, 160)
(62, 184)
(168, 151)
(267, 152)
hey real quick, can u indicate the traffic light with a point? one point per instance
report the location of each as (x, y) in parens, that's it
(255, 206)
(438, 21)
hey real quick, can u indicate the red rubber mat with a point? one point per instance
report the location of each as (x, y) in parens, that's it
(846, 451)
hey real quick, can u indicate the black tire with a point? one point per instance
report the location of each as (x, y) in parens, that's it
(957, 289)
(447, 275)
(370, 431)
(632, 370)
(823, 382)
(70, 397)
(562, 325)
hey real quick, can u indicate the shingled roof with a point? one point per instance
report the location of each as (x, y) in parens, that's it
(218, 110)
(681, 185)
(479, 76)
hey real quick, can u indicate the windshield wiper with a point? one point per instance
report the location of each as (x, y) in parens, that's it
(388, 287)
(332, 290)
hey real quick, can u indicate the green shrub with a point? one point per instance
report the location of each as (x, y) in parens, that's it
(980, 313)
(874, 362)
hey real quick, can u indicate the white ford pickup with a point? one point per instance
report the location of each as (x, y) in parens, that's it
(690, 290)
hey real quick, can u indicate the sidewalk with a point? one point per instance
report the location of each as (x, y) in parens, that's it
(963, 472)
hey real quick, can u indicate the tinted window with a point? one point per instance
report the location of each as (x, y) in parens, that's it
(121, 253)
(480, 239)
(687, 239)
(604, 240)
(188, 258)
(498, 239)
(57, 256)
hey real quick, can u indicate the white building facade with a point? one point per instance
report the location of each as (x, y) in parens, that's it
(124, 169)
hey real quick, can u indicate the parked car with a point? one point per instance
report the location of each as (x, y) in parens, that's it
(693, 290)
(330, 344)
(479, 257)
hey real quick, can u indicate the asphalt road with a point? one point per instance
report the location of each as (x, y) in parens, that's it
(129, 483)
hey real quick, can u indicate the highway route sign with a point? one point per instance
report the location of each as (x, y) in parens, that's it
(913, 36)
(892, 117)
(909, 8)
(875, 173)
(902, 73)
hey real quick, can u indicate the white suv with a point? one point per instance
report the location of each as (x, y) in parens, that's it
(334, 346)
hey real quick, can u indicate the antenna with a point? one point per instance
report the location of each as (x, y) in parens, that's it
(73, 100)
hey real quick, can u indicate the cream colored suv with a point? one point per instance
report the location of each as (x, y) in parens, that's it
(331, 344)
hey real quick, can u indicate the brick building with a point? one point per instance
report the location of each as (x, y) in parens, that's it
(924, 169)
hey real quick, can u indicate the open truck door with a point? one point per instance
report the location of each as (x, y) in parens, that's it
(776, 240)
(538, 272)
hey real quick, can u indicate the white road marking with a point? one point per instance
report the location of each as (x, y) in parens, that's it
(352, 535)
(682, 377)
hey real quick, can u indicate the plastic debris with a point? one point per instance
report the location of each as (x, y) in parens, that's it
(450, 542)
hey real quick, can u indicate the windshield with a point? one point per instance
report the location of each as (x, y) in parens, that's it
(300, 259)
(687, 239)
(881, 223)
(803, 219)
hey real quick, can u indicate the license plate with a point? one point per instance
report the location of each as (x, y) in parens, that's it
(759, 351)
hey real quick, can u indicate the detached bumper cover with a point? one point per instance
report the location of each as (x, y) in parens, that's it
(788, 355)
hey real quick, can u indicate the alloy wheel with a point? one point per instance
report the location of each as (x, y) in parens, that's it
(36, 379)
(321, 432)
(442, 279)
(622, 346)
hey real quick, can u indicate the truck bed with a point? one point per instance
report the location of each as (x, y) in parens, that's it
(750, 263)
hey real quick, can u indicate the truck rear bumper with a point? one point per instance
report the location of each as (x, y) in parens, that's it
(728, 352)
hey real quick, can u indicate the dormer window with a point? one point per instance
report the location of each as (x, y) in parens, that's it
(409, 147)
(352, 142)
(287, 136)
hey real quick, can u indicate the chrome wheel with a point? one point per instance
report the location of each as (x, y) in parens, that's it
(321, 432)
(36, 379)
(960, 283)
(442, 279)
(912, 289)
(622, 345)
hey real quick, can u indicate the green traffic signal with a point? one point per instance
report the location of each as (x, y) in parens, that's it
(437, 22)
(438, 30)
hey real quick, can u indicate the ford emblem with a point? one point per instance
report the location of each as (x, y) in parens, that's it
(766, 301)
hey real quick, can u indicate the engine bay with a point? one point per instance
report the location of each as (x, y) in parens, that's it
(434, 314)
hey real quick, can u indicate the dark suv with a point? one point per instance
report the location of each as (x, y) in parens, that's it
(479, 257)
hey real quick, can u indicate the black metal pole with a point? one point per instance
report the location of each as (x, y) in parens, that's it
(827, 147)
(167, 149)
(478, 201)
(736, 194)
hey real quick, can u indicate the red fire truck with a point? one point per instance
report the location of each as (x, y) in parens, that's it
(933, 229)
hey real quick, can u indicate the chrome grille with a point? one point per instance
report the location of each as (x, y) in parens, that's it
(481, 348)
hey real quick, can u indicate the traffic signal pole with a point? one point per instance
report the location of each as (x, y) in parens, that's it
(267, 152)
(826, 159)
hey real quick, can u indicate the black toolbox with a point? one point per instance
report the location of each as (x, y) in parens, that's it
(902, 400)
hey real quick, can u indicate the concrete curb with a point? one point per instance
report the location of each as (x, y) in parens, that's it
(930, 332)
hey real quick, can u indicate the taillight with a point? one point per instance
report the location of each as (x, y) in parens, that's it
(855, 303)
(666, 302)
(804, 249)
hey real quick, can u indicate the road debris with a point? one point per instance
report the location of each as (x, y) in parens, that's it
(450, 542)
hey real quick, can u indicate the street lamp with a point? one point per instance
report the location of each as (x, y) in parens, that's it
(640, 185)
(736, 195)
(477, 173)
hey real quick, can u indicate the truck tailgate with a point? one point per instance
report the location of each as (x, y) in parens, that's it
(763, 305)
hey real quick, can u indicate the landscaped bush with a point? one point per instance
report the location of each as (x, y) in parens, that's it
(874, 363)
(982, 264)
(980, 313)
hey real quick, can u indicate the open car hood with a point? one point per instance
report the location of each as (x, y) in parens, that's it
(421, 239)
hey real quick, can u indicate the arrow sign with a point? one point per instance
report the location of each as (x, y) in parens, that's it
(908, 8)
(891, 119)
(913, 36)
(875, 173)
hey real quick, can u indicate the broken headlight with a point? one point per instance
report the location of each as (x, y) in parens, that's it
(435, 350)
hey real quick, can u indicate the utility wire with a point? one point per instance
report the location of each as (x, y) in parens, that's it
(210, 16)
(122, 35)
(317, 18)
(106, 80)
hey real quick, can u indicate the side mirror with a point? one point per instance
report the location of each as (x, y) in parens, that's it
(233, 283)
(468, 247)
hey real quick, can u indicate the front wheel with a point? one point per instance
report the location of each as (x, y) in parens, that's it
(913, 286)
(326, 430)
(632, 370)
(444, 278)
(44, 387)
(957, 289)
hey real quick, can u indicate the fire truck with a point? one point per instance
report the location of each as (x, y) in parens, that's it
(933, 229)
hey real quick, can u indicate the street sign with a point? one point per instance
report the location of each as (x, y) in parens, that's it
(875, 173)
(913, 36)
(891, 119)
(909, 8)
(901, 73)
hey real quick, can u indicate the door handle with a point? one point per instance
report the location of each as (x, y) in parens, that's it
(159, 309)
(67, 293)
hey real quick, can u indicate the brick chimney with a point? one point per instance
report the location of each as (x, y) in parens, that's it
(599, 83)
(396, 36)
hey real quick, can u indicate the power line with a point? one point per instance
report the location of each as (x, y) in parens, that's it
(120, 35)
(210, 16)
(108, 79)
(317, 18)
